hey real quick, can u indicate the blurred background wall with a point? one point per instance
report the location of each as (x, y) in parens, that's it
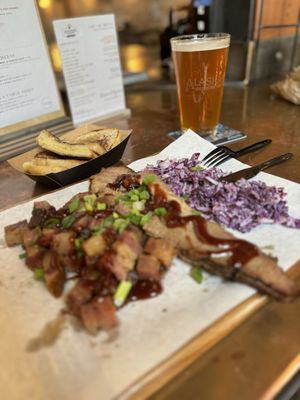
(265, 33)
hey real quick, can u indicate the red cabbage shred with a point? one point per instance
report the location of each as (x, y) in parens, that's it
(241, 205)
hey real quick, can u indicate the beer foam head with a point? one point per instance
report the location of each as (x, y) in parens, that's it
(187, 43)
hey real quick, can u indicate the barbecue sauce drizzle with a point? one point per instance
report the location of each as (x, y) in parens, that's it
(241, 250)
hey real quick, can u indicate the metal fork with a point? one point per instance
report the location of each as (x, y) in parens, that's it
(223, 153)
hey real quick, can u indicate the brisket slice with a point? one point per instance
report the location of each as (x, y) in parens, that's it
(278, 290)
(99, 183)
(14, 233)
(258, 270)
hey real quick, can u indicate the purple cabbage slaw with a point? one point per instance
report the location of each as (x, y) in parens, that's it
(241, 205)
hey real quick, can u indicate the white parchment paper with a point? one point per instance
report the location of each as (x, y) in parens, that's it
(80, 367)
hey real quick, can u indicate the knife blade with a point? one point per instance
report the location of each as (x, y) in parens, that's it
(250, 172)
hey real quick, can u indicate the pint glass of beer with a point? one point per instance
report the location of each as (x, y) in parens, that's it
(200, 65)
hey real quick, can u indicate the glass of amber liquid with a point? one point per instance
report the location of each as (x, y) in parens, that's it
(200, 65)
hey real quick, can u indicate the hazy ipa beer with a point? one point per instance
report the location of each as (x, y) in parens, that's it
(200, 65)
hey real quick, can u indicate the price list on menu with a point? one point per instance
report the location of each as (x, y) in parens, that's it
(91, 66)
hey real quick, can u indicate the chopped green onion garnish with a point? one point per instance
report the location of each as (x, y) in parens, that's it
(51, 223)
(135, 211)
(101, 206)
(134, 197)
(196, 168)
(22, 255)
(109, 220)
(39, 274)
(88, 207)
(122, 292)
(77, 243)
(89, 201)
(115, 215)
(138, 205)
(120, 224)
(68, 221)
(144, 195)
(160, 211)
(135, 219)
(98, 231)
(196, 274)
(135, 191)
(196, 212)
(148, 179)
(146, 218)
(185, 197)
(90, 198)
(74, 205)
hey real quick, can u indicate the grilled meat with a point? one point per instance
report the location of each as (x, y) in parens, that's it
(218, 251)
(126, 231)
(14, 233)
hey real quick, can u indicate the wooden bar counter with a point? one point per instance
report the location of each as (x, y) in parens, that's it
(259, 357)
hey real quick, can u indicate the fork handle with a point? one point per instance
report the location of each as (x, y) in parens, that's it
(253, 147)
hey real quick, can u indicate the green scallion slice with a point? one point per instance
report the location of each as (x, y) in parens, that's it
(74, 205)
(88, 207)
(122, 292)
(196, 212)
(145, 195)
(101, 206)
(51, 223)
(39, 274)
(22, 255)
(90, 198)
(161, 211)
(149, 179)
(135, 219)
(134, 197)
(89, 201)
(120, 224)
(108, 221)
(138, 205)
(68, 221)
(196, 274)
(146, 218)
(77, 243)
(196, 168)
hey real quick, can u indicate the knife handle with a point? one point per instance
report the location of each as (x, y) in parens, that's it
(274, 161)
(253, 147)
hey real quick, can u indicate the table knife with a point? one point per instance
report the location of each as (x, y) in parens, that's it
(250, 172)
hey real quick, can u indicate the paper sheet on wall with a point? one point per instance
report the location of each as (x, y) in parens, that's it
(80, 367)
(91, 66)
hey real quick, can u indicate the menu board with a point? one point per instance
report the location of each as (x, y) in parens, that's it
(91, 66)
(28, 87)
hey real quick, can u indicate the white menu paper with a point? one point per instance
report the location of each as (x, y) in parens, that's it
(27, 81)
(91, 66)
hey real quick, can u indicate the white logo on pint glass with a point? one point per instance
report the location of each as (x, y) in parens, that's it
(202, 81)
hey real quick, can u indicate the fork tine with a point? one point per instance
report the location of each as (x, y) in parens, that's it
(228, 157)
(219, 160)
(213, 152)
